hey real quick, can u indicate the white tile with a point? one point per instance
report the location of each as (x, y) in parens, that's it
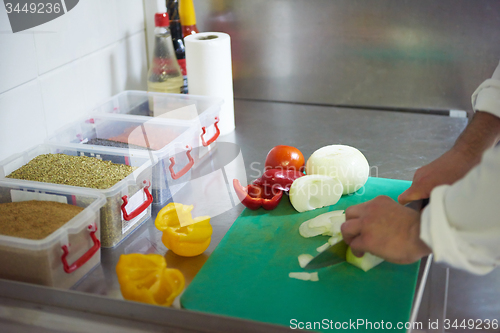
(150, 8)
(121, 66)
(99, 75)
(102, 20)
(63, 96)
(88, 27)
(17, 55)
(134, 65)
(130, 17)
(56, 41)
(22, 122)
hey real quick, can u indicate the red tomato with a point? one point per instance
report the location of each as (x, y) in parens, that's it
(285, 157)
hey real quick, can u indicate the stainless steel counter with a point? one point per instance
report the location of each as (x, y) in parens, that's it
(394, 143)
(406, 54)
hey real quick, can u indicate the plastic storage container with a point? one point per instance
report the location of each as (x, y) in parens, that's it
(170, 142)
(202, 112)
(128, 203)
(65, 256)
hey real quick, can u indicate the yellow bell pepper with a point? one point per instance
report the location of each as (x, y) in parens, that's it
(182, 234)
(146, 278)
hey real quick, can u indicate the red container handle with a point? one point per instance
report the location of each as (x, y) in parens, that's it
(141, 208)
(212, 139)
(186, 168)
(85, 257)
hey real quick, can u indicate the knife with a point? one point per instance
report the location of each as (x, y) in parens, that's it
(336, 253)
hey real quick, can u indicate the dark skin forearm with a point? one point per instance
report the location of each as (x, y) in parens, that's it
(483, 132)
(391, 231)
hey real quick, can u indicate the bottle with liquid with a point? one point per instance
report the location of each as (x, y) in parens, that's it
(188, 17)
(177, 39)
(165, 74)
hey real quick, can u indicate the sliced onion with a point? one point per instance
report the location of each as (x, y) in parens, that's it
(307, 232)
(304, 276)
(304, 259)
(324, 219)
(323, 247)
(327, 224)
(335, 239)
(366, 262)
(336, 222)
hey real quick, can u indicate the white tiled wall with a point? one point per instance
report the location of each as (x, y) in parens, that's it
(22, 121)
(54, 73)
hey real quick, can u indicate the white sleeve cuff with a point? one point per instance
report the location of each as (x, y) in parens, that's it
(443, 238)
(487, 97)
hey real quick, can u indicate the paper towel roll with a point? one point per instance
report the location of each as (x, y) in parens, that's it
(209, 71)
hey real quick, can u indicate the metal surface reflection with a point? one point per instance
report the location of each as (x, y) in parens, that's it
(406, 54)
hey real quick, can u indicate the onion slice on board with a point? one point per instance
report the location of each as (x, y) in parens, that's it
(323, 247)
(304, 276)
(327, 224)
(366, 262)
(304, 259)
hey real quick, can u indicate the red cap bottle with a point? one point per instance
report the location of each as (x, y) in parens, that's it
(164, 74)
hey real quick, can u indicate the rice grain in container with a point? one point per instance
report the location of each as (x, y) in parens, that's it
(128, 202)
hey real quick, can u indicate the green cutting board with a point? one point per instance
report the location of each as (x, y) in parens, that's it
(247, 274)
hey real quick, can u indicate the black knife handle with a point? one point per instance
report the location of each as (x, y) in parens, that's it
(418, 205)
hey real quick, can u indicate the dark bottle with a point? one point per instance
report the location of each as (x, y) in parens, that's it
(177, 39)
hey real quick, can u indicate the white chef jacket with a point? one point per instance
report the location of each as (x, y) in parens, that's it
(462, 221)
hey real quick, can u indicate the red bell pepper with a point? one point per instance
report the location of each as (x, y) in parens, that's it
(279, 179)
(254, 196)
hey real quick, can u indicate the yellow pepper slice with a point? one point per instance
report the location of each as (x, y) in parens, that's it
(146, 278)
(173, 215)
(189, 240)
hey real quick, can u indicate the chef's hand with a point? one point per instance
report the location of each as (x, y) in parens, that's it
(447, 169)
(386, 229)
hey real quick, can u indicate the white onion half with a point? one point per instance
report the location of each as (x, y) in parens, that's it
(314, 191)
(345, 163)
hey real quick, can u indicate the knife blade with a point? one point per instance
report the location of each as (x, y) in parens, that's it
(336, 253)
